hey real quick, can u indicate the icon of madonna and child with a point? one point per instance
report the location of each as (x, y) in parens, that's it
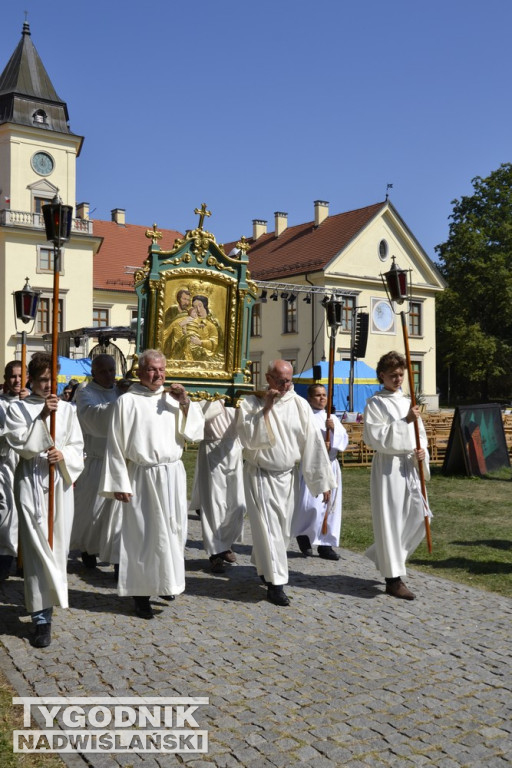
(193, 332)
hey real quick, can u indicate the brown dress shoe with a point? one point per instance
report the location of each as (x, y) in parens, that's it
(398, 589)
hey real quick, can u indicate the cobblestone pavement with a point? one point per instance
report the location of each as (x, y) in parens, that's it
(345, 676)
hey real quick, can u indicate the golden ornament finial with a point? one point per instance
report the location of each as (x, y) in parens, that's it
(243, 244)
(153, 234)
(202, 211)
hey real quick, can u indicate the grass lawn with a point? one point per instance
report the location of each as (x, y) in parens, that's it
(11, 718)
(471, 529)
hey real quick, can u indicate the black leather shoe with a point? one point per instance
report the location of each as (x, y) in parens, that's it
(167, 597)
(305, 546)
(327, 553)
(89, 560)
(43, 636)
(277, 595)
(143, 608)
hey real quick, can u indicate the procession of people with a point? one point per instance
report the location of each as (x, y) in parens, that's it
(120, 486)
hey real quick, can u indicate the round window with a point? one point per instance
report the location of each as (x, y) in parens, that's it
(383, 250)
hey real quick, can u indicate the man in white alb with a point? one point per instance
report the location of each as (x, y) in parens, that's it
(143, 469)
(316, 523)
(94, 405)
(218, 489)
(278, 432)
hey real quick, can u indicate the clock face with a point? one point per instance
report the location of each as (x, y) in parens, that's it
(382, 316)
(42, 163)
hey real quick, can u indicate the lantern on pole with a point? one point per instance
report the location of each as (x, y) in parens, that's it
(57, 222)
(26, 302)
(333, 306)
(397, 283)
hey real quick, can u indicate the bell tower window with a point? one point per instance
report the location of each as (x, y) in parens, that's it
(40, 117)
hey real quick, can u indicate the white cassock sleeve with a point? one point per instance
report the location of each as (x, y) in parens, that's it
(316, 465)
(72, 449)
(387, 434)
(254, 430)
(114, 474)
(94, 416)
(28, 440)
(191, 426)
(339, 440)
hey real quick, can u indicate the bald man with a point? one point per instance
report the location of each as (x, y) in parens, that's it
(278, 432)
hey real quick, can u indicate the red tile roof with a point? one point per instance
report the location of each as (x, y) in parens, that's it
(305, 248)
(124, 245)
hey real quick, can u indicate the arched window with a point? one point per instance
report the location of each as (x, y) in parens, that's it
(40, 116)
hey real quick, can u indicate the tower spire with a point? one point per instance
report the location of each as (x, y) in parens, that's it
(27, 94)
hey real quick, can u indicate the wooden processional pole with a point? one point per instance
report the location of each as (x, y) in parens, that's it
(421, 471)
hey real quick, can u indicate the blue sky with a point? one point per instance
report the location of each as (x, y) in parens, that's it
(262, 106)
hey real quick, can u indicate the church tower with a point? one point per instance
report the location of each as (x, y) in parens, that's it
(38, 153)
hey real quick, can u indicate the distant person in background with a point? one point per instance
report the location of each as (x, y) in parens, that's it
(398, 507)
(309, 515)
(69, 390)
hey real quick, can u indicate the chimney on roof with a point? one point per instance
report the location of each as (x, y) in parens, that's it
(119, 215)
(82, 211)
(259, 228)
(321, 211)
(281, 222)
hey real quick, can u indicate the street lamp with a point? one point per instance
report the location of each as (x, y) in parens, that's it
(57, 222)
(397, 283)
(26, 302)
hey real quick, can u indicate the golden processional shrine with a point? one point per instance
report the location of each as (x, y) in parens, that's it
(195, 304)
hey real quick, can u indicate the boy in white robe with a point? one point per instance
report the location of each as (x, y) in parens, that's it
(398, 507)
(278, 431)
(12, 390)
(143, 469)
(28, 433)
(218, 488)
(94, 403)
(308, 519)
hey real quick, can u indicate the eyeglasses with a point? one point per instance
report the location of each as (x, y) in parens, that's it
(280, 382)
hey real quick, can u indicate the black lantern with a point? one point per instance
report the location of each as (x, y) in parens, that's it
(396, 283)
(333, 308)
(57, 221)
(25, 303)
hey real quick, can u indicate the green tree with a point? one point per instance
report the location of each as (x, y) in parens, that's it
(474, 317)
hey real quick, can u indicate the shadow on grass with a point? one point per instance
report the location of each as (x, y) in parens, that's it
(504, 544)
(475, 567)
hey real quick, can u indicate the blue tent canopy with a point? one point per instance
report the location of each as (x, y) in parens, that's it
(79, 369)
(365, 383)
